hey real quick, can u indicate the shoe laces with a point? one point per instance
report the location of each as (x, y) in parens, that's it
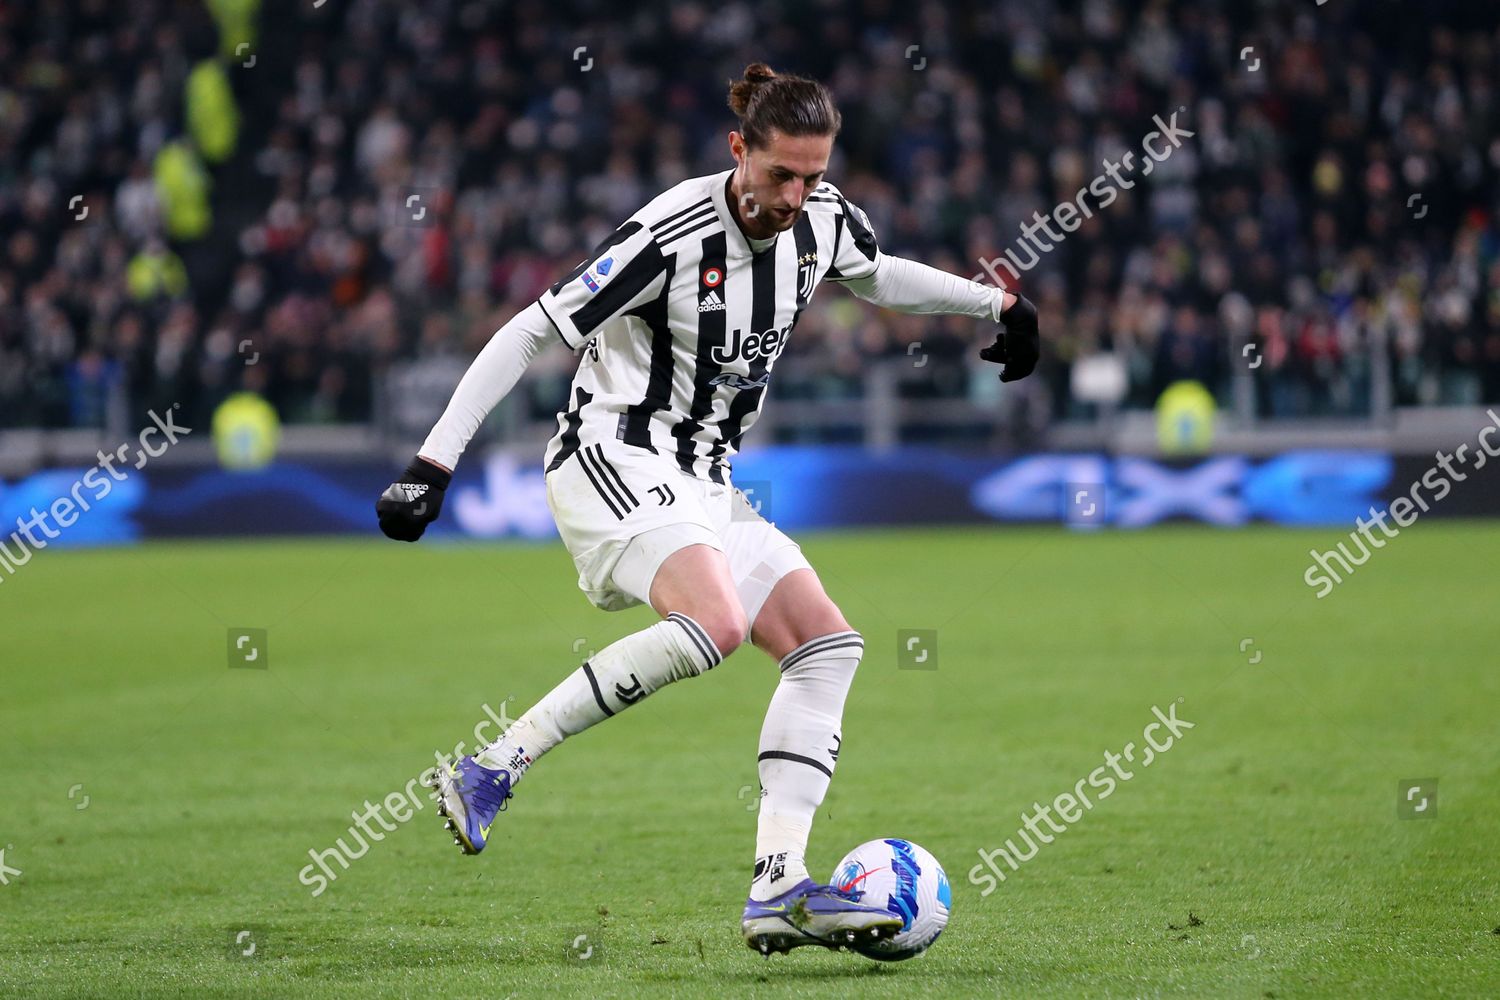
(493, 793)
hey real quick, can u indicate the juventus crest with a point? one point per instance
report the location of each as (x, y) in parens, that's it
(807, 271)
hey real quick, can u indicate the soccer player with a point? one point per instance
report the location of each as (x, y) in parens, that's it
(680, 316)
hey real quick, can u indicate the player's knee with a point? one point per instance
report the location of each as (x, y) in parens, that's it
(820, 619)
(725, 624)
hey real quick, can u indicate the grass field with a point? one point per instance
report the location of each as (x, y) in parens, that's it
(160, 805)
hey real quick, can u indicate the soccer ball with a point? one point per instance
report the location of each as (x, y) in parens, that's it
(905, 879)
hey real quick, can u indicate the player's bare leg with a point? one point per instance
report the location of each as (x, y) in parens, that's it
(804, 631)
(702, 622)
(797, 610)
(695, 581)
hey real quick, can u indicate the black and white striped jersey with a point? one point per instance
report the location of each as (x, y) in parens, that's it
(683, 321)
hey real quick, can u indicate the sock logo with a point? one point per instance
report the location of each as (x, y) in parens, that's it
(773, 865)
(833, 751)
(630, 695)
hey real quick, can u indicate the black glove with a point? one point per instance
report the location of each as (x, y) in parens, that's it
(1019, 347)
(412, 502)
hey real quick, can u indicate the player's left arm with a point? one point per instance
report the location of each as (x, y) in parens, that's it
(910, 286)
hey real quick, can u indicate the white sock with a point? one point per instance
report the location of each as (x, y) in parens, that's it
(615, 678)
(799, 746)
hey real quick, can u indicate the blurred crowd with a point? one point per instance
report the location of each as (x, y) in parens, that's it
(1328, 231)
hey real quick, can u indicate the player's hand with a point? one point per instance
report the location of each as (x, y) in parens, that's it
(412, 502)
(1020, 345)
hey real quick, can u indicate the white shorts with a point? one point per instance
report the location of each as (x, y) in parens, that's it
(622, 510)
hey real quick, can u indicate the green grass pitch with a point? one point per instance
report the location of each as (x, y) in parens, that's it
(159, 805)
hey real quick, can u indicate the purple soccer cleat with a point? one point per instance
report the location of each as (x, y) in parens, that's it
(469, 797)
(809, 913)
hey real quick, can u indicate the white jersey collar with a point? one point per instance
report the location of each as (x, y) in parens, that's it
(737, 244)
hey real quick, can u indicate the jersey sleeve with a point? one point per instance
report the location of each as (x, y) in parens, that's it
(623, 272)
(856, 254)
(910, 286)
(494, 372)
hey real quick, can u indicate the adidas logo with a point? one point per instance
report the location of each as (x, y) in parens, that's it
(412, 490)
(711, 303)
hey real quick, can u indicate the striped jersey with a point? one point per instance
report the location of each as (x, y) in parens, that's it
(683, 320)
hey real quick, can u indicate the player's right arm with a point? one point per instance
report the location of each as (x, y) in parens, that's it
(572, 311)
(910, 286)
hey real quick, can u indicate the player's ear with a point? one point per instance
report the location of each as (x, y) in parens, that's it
(737, 146)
